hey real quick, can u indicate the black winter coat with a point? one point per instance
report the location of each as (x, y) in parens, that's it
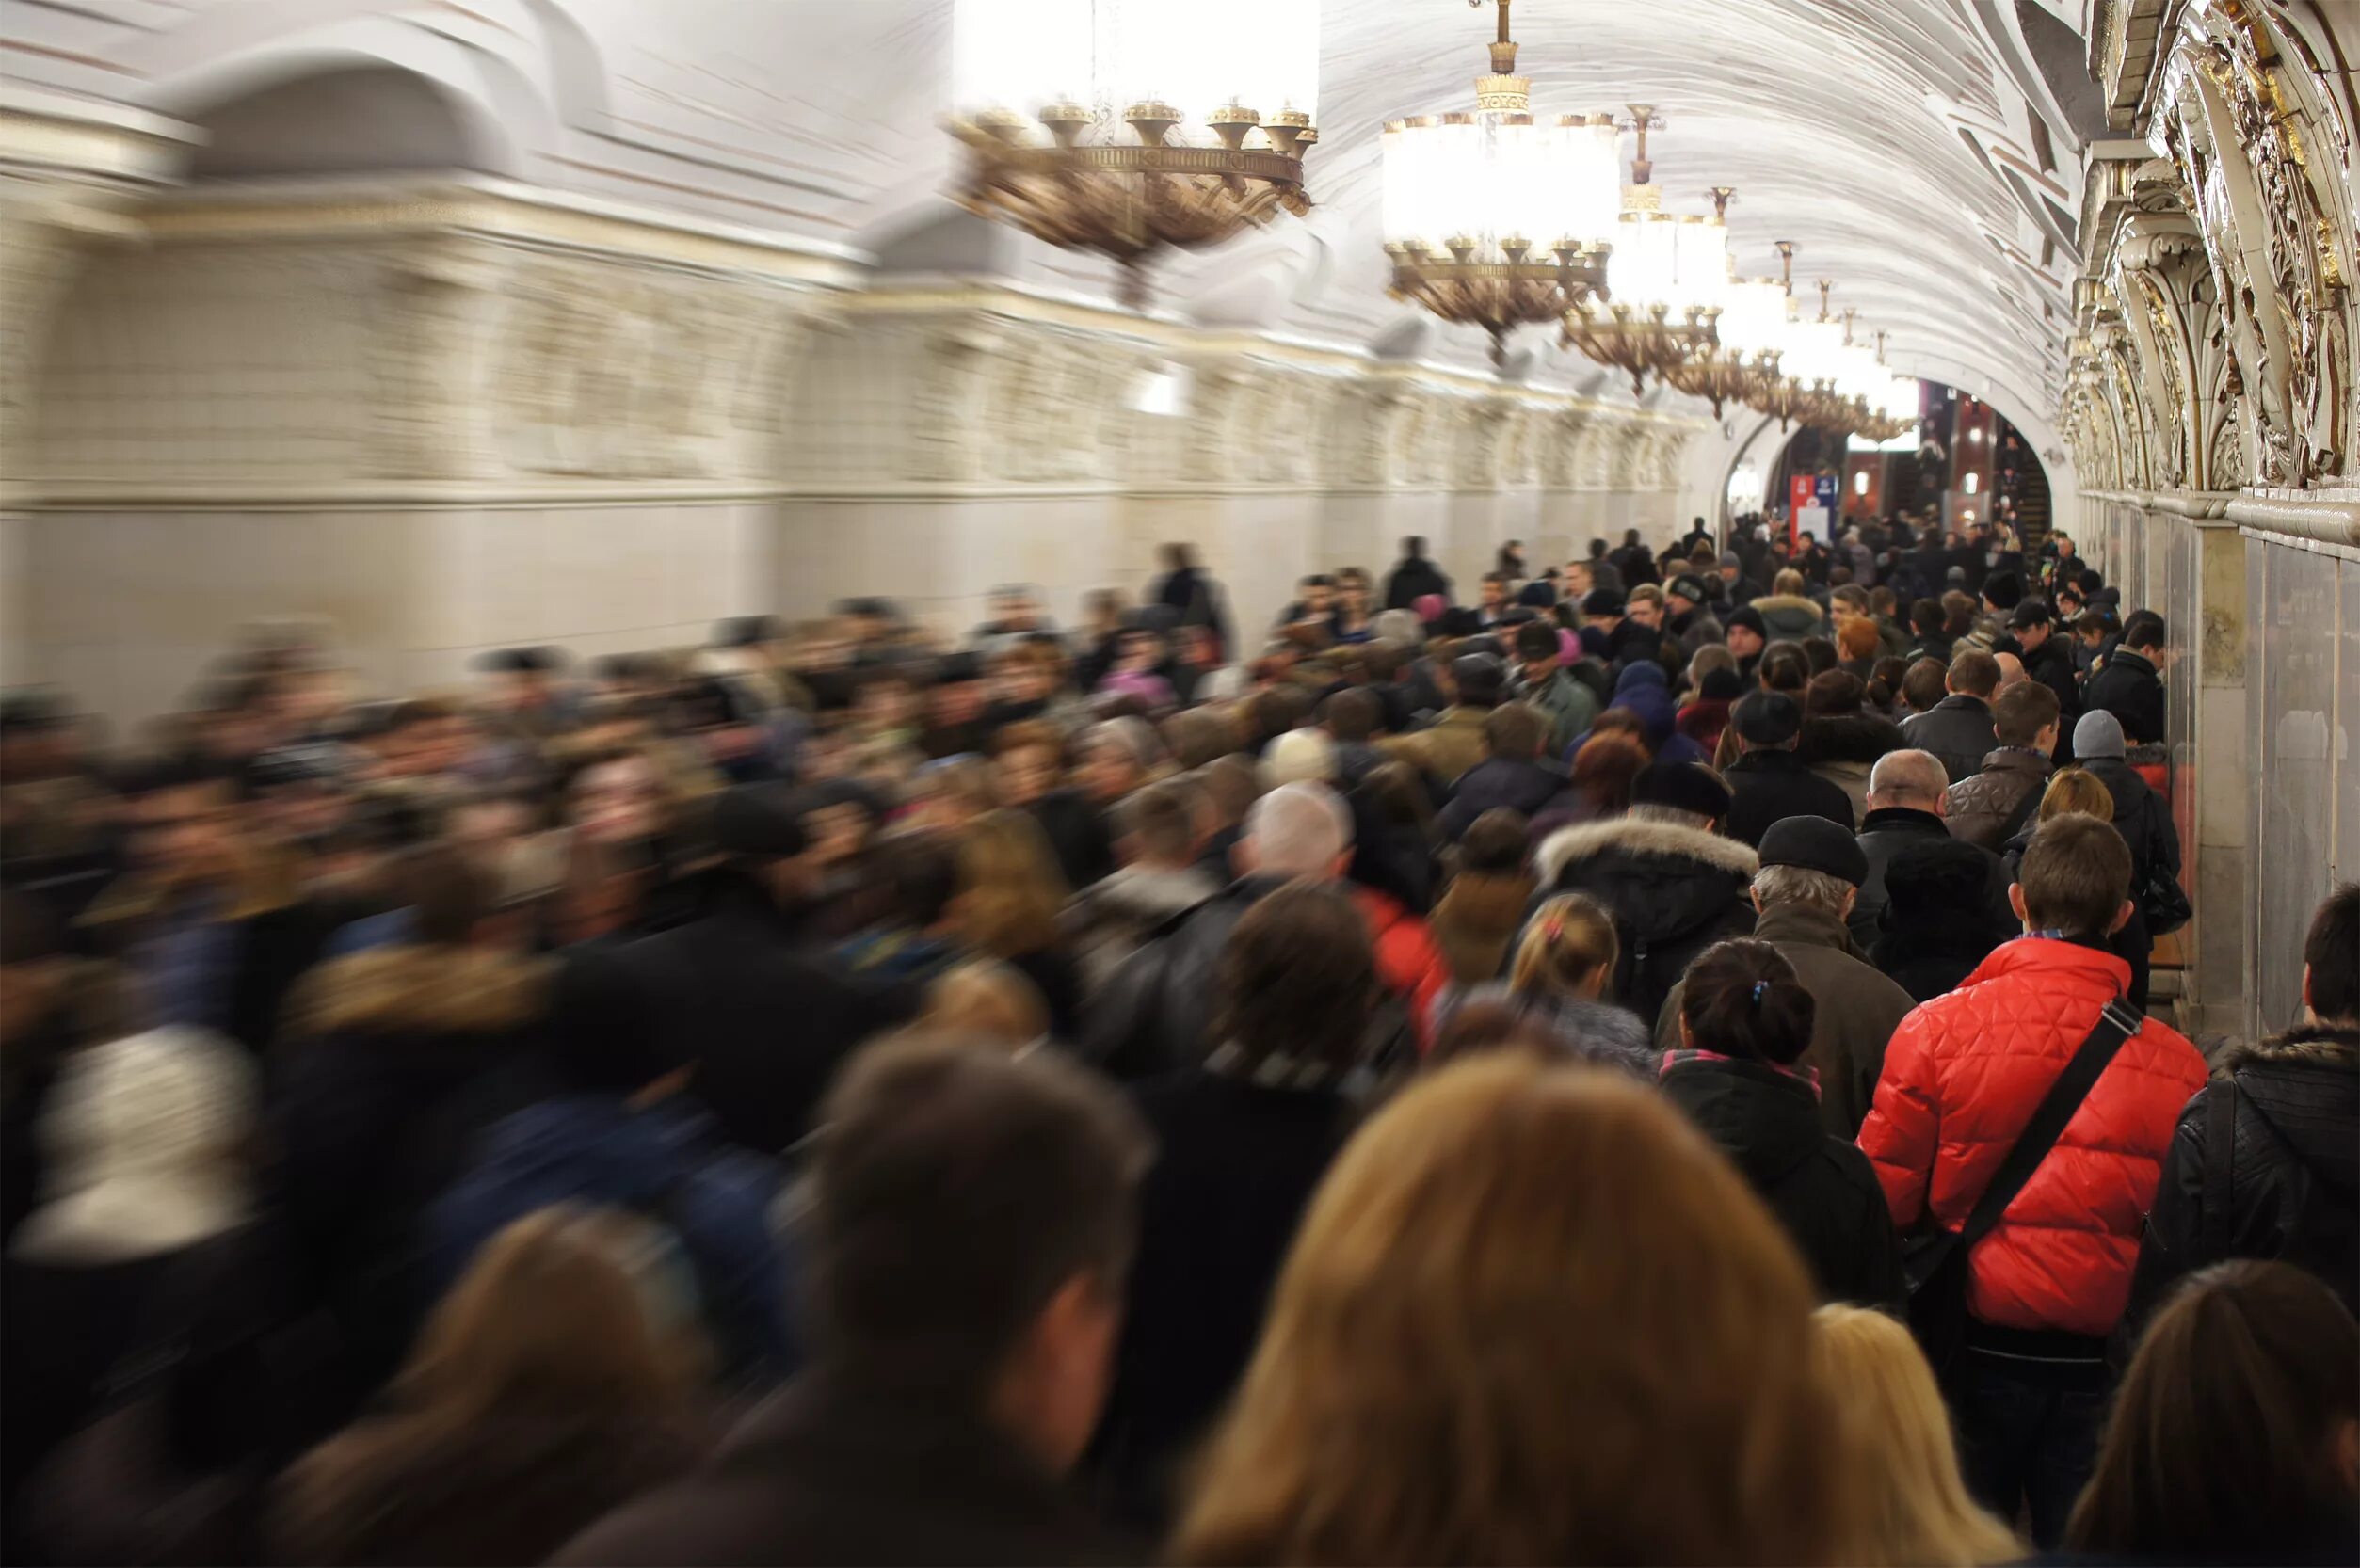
(1958, 730)
(1236, 1162)
(1771, 786)
(1821, 1188)
(766, 1022)
(833, 1471)
(1412, 581)
(1673, 891)
(1886, 833)
(1153, 1016)
(2290, 1188)
(2128, 688)
(1516, 783)
(2051, 665)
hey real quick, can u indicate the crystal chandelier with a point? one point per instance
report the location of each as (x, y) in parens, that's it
(1783, 394)
(1895, 406)
(1665, 281)
(1498, 218)
(1217, 96)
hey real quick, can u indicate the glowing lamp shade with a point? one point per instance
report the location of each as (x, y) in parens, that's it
(1753, 316)
(1812, 350)
(1019, 56)
(1644, 271)
(1492, 177)
(1704, 263)
(1900, 399)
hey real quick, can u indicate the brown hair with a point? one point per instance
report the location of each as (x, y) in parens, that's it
(1196, 736)
(1834, 693)
(1496, 844)
(494, 1348)
(2331, 951)
(1570, 941)
(1489, 1026)
(2020, 713)
(1958, 614)
(1353, 714)
(1975, 673)
(1463, 1363)
(2222, 1440)
(1921, 685)
(1789, 581)
(1298, 977)
(1010, 890)
(1742, 999)
(1515, 730)
(2075, 874)
(955, 1190)
(1784, 668)
(2077, 790)
(1163, 818)
(1913, 1507)
(982, 1001)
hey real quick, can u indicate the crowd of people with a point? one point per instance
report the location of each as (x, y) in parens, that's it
(1647, 1062)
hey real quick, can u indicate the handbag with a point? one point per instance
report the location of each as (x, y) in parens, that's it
(1934, 1260)
(2164, 904)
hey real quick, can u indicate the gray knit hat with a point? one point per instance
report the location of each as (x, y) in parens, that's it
(2097, 734)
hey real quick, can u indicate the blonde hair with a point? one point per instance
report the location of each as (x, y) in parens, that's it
(2077, 790)
(984, 1001)
(1788, 582)
(1911, 1506)
(1568, 939)
(1010, 890)
(1531, 1316)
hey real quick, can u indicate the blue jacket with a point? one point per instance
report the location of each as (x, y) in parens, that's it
(1644, 691)
(666, 1163)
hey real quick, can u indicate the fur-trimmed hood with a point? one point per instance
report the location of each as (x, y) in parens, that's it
(2304, 1046)
(1647, 840)
(419, 988)
(1790, 614)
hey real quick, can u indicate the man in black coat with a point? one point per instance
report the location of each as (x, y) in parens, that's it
(1906, 804)
(1242, 1142)
(1414, 578)
(1511, 773)
(767, 1019)
(1674, 885)
(2049, 659)
(2287, 1185)
(2129, 685)
(970, 1215)
(1768, 781)
(1958, 729)
(2144, 820)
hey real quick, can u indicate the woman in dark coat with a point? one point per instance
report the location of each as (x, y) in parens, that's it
(1744, 1020)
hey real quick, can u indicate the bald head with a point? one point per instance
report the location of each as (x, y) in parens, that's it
(1911, 780)
(1295, 831)
(2011, 670)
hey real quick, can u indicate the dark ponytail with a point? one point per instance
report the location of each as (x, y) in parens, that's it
(1743, 1000)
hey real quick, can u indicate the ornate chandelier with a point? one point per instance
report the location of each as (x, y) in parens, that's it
(1498, 219)
(1742, 366)
(1894, 406)
(1217, 96)
(1782, 393)
(1666, 281)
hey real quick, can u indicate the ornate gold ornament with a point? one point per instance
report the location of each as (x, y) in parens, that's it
(1665, 281)
(1499, 269)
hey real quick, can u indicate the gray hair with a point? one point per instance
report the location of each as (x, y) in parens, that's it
(1298, 830)
(1402, 626)
(1908, 778)
(1797, 884)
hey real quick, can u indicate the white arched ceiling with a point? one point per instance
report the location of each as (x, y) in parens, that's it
(1921, 153)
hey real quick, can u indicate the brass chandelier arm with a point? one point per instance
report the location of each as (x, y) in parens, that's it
(1640, 342)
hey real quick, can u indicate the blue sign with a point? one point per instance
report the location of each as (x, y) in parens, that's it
(1828, 487)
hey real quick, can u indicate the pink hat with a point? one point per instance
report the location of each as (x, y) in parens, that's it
(1430, 606)
(1568, 645)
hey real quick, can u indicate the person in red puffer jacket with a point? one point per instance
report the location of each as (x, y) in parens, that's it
(1962, 1076)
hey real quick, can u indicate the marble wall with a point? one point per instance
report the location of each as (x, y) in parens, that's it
(131, 609)
(2302, 650)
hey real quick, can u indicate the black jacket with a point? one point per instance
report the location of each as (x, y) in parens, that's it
(832, 1471)
(1886, 833)
(1673, 891)
(1958, 732)
(766, 1022)
(2051, 665)
(1771, 786)
(1152, 1016)
(1518, 783)
(1077, 834)
(1236, 1162)
(2290, 1188)
(2128, 688)
(1821, 1188)
(1412, 581)
(2141, 818)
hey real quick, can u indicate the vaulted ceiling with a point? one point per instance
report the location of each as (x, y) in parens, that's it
(1924, 153)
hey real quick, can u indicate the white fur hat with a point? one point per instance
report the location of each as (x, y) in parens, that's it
(139, 1135)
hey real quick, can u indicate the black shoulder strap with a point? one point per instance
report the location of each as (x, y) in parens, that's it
(2117, 1023)
(2219, 1166)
